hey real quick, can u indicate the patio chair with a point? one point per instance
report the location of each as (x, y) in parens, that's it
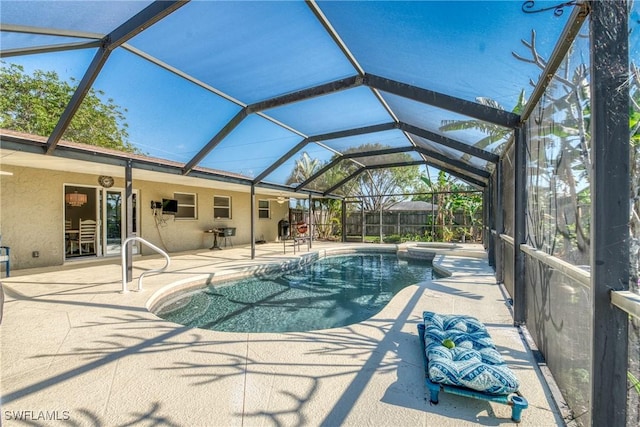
(87, 236)
(460, 358)
(5, 259)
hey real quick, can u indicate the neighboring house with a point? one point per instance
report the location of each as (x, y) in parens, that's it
(43, 198)
(415, 206)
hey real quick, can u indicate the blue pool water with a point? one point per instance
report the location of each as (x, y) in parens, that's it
(332, 292)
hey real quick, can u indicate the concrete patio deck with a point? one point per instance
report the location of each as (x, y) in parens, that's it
(76, 350)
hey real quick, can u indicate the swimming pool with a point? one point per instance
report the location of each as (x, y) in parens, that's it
(331, 292)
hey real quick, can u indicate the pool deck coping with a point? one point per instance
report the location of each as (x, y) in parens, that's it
(77, 349)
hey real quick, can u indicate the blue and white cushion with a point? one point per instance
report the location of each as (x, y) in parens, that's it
(473, 362)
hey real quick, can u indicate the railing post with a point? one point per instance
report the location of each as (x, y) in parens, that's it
(520, 212)
(487, 197)
(311, 224)
(363, 220)
(344, 221)
(609, 38)
(498, 222)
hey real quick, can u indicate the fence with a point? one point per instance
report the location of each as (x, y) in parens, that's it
(392, 226)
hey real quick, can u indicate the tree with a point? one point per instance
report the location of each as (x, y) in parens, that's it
(304, 168)
(375, 186)
(378, 188)
(34, 104)
(452, 198)
(496, 135)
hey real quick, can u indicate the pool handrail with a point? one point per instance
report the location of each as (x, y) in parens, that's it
(144, 273)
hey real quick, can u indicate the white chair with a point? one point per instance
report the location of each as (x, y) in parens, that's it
(87, 236)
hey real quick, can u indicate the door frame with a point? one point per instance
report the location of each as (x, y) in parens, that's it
(93, 192)
(104, 220)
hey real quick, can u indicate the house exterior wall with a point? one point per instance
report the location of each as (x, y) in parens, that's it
(32, 215)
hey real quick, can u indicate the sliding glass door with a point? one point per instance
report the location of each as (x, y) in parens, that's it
(114, 220)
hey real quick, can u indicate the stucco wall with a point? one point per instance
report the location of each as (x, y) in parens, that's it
(32, 215)
(186, 234)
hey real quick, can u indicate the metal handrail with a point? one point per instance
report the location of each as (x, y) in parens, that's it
(124, 267)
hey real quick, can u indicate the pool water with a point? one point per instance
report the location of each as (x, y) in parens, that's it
(331, 292)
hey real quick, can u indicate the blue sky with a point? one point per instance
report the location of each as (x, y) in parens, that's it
(460, 48)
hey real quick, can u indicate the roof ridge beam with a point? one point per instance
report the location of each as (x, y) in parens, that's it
(449, 142)
(301, 95)
(447, 102)
(143, 19)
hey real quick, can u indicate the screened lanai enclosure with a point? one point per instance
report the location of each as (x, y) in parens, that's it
(533, 104)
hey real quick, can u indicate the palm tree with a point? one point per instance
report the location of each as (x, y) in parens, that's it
(496, 135)
(304, 168)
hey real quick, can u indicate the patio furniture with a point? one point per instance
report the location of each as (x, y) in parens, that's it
(297, 237)
(215, 232)
(70, 237)
(5, 259)
(227, 234)
(460, 358)
(87, 236)
(301, 235)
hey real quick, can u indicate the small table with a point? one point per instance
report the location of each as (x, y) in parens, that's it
(215, 232)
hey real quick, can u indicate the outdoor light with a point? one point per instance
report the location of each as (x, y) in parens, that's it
(75, 199)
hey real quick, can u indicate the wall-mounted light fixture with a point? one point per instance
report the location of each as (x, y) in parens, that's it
(75, 199)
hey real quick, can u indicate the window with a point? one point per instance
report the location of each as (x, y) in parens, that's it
(264, 209)
(222, 207)
(187, 208)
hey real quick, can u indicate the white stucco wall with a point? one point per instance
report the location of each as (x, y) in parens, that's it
(32, 215)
